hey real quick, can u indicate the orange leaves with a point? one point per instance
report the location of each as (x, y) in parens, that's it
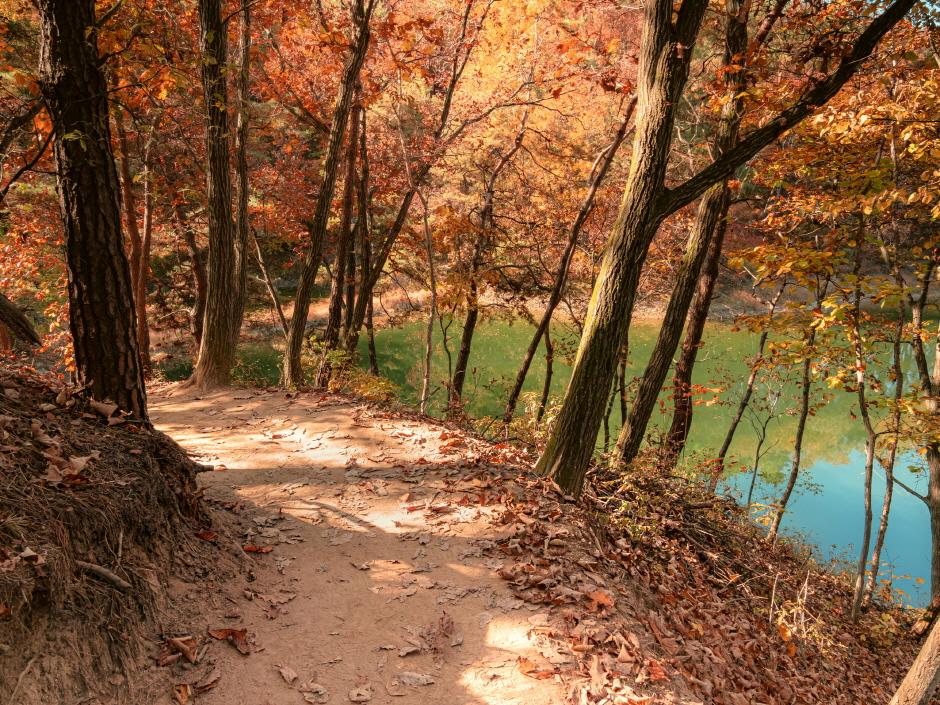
(530, 669)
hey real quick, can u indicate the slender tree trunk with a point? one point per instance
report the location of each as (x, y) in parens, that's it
(602, 166)
(269, 285)
(16, 324)
(242, 217)
(662, 74)
(200, 276)
(370, 332)
(293, 375)
(143, 271)
(481, 244)
(344, 244)
(469, 326)
(644, 402)
(695, 328)
(805, 390)
(101, 309)
(547, 382)
(870, 437)
(719, 465)
(930, 389)
(716, 199)
(897, 372)
(221, 322)
(432, 310)
(922, 680)
(362, 242)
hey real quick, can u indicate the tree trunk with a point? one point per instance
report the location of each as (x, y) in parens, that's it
(870, 437)
(694, 329)
(370, 333)
(344, 245)
(432, 310)
(665, 52)
(922, 680)
(16, 324)
(101, 308)
(269, 285)
(200, 277)
(897, 372)
(293, 375)
(805, 389)
(719, 466)
(930, 388)
(710, 224)
(705, 288)
(644, 402)
(242, 218)
(662, 74)
(604, 160)
(547, 382)
(223, 293)
(469, 326)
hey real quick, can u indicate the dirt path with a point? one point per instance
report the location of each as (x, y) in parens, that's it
(375, 588)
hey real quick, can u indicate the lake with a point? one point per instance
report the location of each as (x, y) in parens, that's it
(827, 507)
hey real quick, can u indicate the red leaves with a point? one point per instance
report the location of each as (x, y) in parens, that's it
(251, 548)
(207, 535)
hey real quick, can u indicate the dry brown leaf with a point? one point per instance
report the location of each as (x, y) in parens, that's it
(530, 668)
(236, 637)
(182, 693)
(287, 673)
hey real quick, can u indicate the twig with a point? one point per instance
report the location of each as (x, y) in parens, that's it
(105, 574)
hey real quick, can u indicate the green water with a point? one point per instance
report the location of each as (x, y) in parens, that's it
(827, 508)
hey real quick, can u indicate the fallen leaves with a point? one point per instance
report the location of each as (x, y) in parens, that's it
(236, 637)
(529, 668)
(251, 548)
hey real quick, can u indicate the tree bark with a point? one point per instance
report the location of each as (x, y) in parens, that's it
(344, 245)
(101, 309)
(200, 276)
(432, 310)
(224, 291)
(805, 389)
(293, 374)
(605, 159)
(15, 322)
(922, 679)
(870, 437)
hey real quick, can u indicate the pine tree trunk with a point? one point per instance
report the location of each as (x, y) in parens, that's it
(663, 71)
(293, 375)
(101, 300)
(922, 680)
(223, 292)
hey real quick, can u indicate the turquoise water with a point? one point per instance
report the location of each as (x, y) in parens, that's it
(826, 509)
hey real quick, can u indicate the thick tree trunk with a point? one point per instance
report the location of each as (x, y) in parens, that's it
(710, 224)
(644, 402)
(605, 159)
(922, 680)
(101, 301)
(662, 74)
(224, 291)
(293, 374)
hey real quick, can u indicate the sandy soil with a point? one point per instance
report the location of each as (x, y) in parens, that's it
(375, 588)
